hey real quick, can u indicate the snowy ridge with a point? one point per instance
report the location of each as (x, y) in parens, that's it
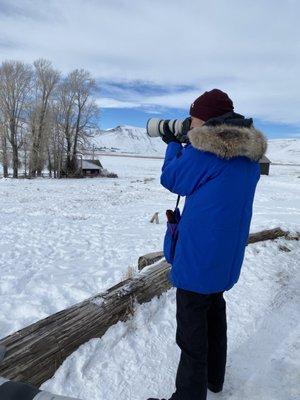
(284, 151)
(134, 140)
(128, 139)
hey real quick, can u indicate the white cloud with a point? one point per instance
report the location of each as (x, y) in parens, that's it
(105, 102)
(180, 100)
(249, 48)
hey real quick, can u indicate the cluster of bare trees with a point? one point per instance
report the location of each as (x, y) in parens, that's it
(44, 117)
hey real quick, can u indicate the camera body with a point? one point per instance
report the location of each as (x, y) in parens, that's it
(179, 127)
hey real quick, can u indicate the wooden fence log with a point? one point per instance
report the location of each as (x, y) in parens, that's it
(149, 259)
(268, 234)
(272, 234)
(34, 353)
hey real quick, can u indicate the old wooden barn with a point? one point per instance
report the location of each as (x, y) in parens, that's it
(264, 164)
(91, 168)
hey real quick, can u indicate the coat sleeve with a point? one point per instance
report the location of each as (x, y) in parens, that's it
(185, 169)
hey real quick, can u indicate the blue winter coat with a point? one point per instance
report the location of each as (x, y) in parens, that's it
(217, 172)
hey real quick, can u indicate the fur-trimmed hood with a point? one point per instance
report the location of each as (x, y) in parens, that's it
(228, 141)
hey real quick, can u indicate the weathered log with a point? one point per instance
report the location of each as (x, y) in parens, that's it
(268, 234)
(272, 234)
(34, 353)
(149, 259)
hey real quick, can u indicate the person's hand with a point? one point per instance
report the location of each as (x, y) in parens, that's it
(168, 135)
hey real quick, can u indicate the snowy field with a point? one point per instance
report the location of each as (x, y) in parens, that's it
(63, 241)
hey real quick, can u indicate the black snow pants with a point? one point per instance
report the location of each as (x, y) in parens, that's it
(202, 338)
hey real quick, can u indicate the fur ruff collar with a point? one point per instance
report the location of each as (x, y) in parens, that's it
(228, 141)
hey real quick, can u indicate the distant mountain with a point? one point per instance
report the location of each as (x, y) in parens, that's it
(284, 151)
(134, 140)
(128, 139)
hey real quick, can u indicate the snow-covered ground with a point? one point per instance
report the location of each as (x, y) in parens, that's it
(65, 240)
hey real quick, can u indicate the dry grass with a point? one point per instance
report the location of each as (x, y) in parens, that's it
(131, 271)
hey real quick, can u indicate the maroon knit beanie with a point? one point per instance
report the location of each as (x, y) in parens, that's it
(211, 104)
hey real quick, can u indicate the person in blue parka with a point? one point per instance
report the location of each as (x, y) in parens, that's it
(217, 171)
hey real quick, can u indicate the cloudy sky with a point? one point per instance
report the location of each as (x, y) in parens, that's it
(154, 57)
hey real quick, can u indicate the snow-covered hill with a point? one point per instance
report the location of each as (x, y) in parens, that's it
(134, 140)
(284, 151)
(128, 139)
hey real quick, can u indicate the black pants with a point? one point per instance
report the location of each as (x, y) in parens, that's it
(201, 336)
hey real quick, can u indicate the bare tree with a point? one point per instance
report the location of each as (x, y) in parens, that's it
(55, 146)
(15, 86)
(25, 149)
(45, 81)
(4, 150)
(77, 113)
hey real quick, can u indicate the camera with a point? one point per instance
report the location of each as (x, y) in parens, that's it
(179, 127)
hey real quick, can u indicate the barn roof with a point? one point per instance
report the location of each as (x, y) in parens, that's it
(264, 159)
(91, 164)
